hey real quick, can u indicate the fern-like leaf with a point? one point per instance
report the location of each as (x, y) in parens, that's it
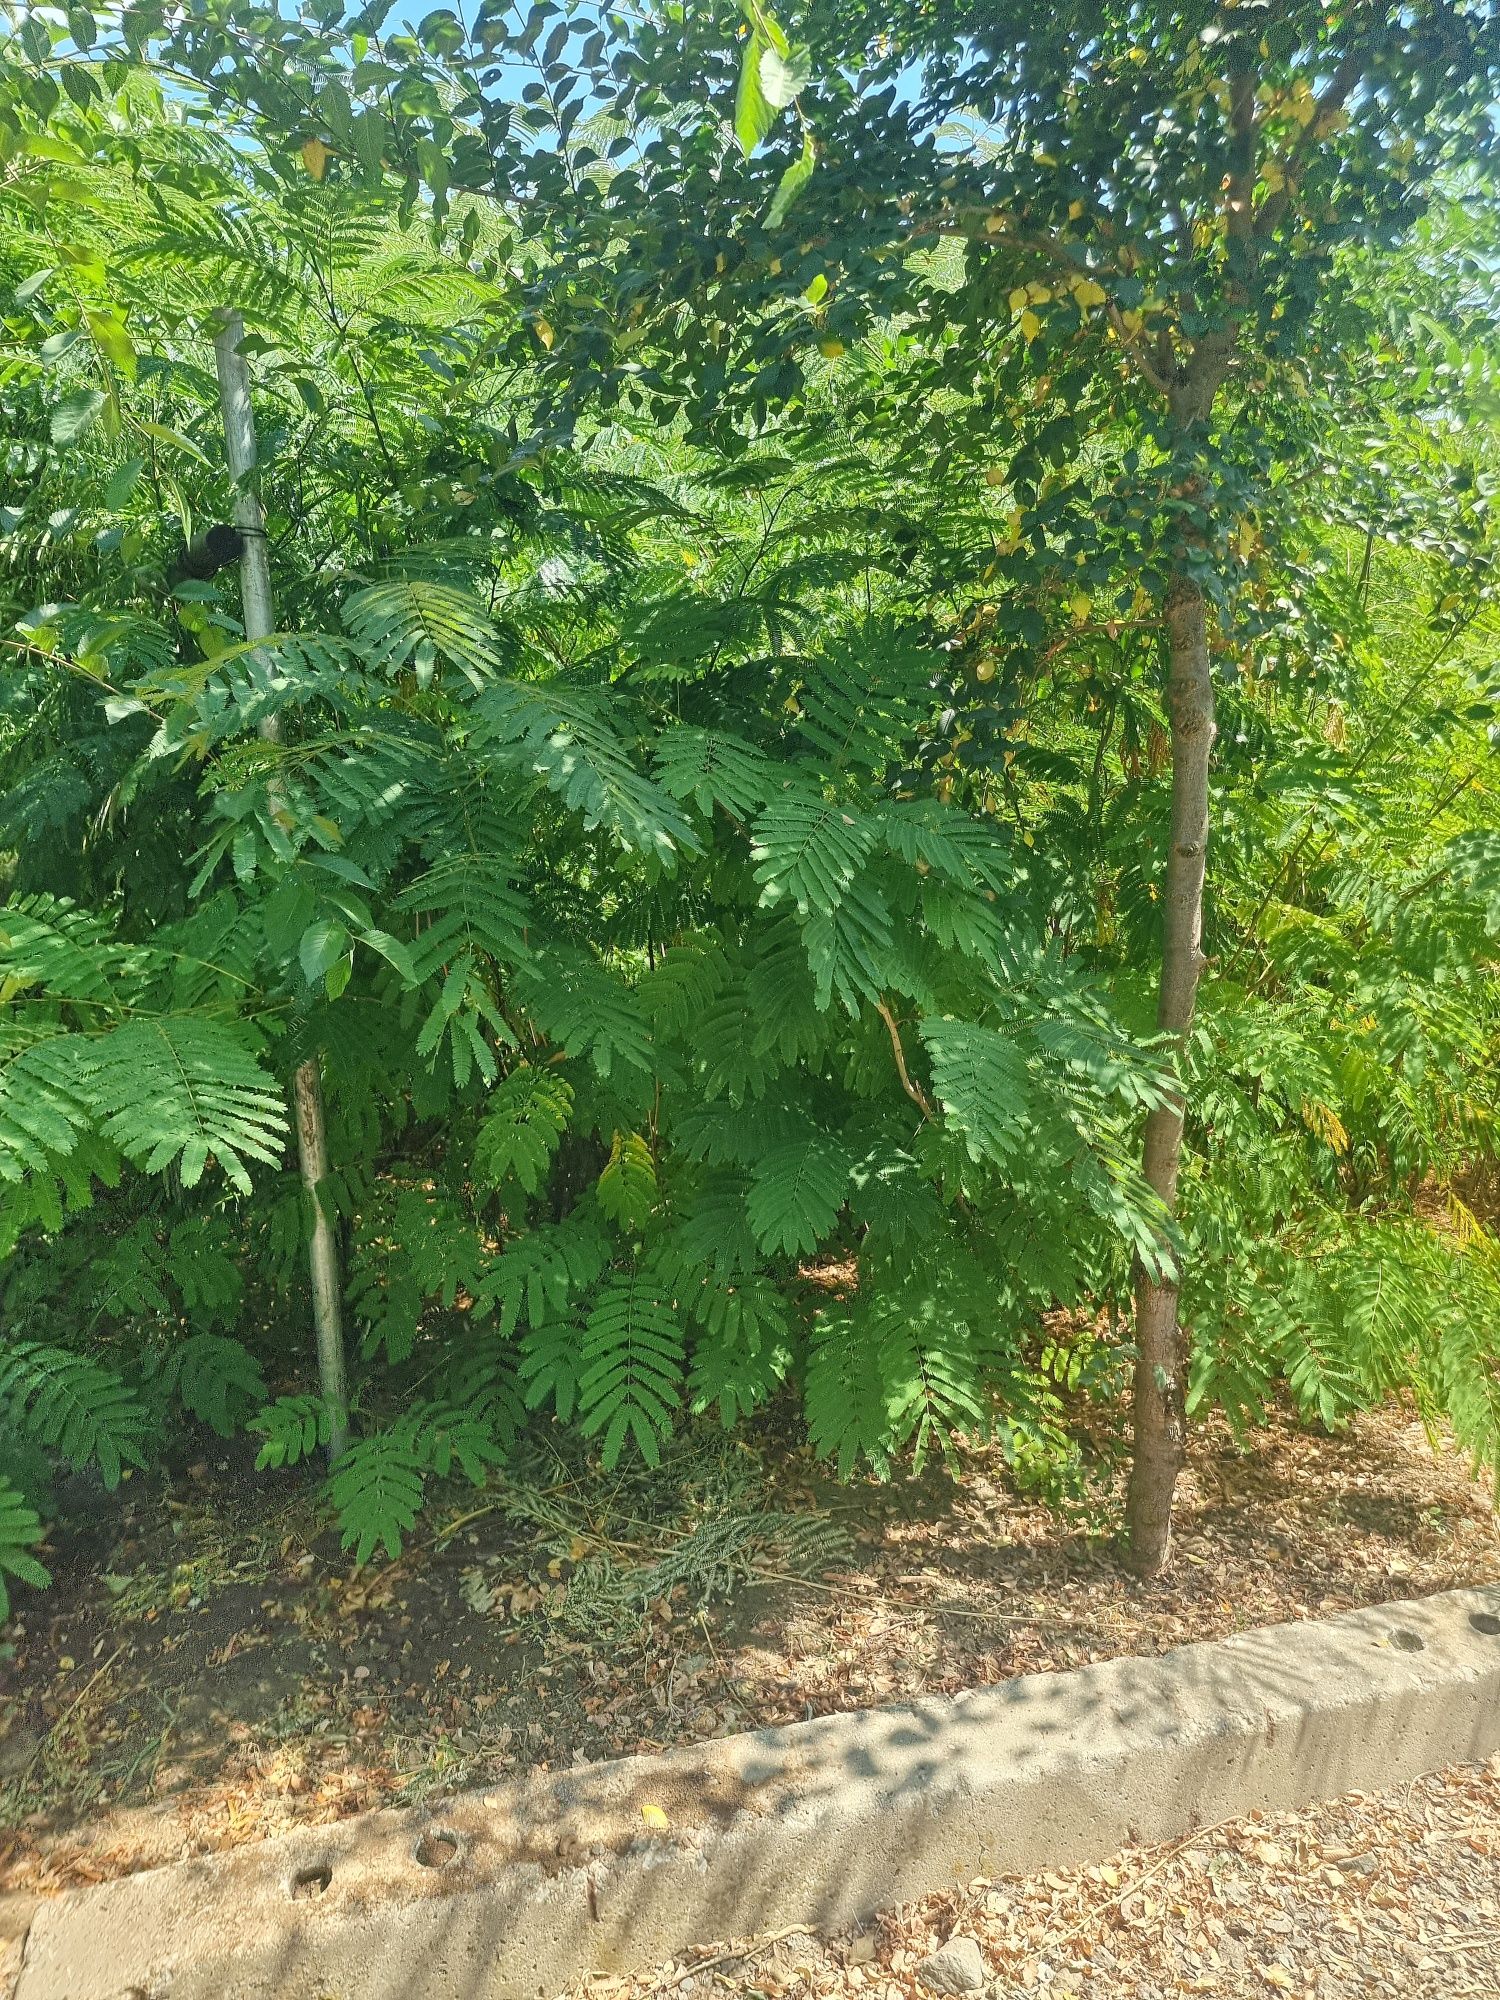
(712, 767)
(810, 849)
(744, 1349)
(45, 1105)
(187, 1090)
(632, 1369)
(567, 737)
(540, 1274)
(796, 1192)
(627, 1187)
(474, 919)
(414, 622)
(50, 946)
(525, 1116)
(20, 1531)
(293, 1428)
(214, 1377)
(981, 1079)
(587, 1011)
(377, 1489)
(72, 1405)
(378, 1483)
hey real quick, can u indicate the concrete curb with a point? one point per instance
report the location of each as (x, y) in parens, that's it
(512, 1893)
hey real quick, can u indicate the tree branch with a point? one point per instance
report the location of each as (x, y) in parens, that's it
(914, 1091)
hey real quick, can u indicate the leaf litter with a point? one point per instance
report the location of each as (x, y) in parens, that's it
(208, 1670)
(1372, 1895)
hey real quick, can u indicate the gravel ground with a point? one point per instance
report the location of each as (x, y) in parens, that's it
(1390, 1893)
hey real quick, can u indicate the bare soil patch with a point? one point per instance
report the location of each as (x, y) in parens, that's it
(208, 1669)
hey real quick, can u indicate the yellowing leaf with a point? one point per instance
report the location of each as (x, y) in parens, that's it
(1080, 604)
(1017, 298)
(1322, 1120)
(1273, 177)
(1075, 209)
(315, 157)
(1031, 326)
(627, 1186)
(654, 1816)
(543, 331)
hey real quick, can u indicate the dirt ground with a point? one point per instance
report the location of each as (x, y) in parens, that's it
(1369, 1896)
(208, 1669)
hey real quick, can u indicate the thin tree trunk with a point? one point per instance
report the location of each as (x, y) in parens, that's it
(307, 1083)
(1161, 1365)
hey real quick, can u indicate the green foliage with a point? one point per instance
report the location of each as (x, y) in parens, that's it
(20, 1530)
(711, 768)
(414, 1247)
(376, 1490)
(413, 623)
(630, 1370)
(627, 1187)
(796, 1192)
(184, 1092)
(377, 1486)
(525, 1116)
(293, 1428)
(743, 1352)
(167, 1090)
(568, 736)
(71, 1405)
(214, 1377)
(539, 1274)
(714, 853)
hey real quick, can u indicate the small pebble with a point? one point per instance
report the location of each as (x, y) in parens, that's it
(957, 1968)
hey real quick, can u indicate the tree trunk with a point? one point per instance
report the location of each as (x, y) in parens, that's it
(1161, 1364)
(322, 1255)
(307, 1084)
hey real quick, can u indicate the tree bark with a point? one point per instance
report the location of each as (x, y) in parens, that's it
(322, 1255)
(307, 1083)
(1161, 1363)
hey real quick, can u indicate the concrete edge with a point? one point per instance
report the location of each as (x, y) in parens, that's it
(510, 1894)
